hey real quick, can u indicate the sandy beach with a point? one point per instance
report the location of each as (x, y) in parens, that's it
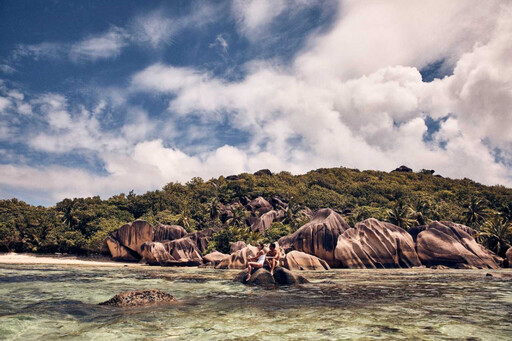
(23, 258)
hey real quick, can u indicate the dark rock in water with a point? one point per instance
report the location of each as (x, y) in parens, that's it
(441, 244)
(236, 246)
(296, 260)
(264, 222)
(140, 298)
(508, 254)
(263, 172)
(376, 244)
(232, 177)
(318, 237)
(403, 169)
(263, 278)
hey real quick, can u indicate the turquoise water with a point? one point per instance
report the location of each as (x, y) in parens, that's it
(60, 303)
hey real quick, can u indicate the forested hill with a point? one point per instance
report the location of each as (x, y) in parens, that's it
(405, 198)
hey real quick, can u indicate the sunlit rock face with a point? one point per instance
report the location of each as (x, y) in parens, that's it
(179, 252)
(201, 238)
(318, 237)
(214, 258)
(296, 260)
(264, 222)
(120, 252)
(375, 244)
(450, 245)
(238, 259)
(236, 246)
(140, 298)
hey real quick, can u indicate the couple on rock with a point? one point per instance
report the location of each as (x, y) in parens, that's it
(271, 258)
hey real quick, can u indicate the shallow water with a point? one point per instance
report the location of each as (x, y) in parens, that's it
(60, 302)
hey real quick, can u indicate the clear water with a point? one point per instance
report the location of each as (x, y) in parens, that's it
(60, 302)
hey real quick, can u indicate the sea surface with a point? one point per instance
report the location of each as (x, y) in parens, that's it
(48, 302)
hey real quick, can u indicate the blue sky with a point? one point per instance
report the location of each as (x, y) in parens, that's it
(98, 98)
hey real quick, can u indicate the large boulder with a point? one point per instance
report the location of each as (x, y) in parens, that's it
(296, 260)
(121, 253)
(318, 237)
(262, 277)
(201, 238)
(139, 298)
(264, 222)
(179, 252)
(508, 254)
(236, 246)
(440, 244)
(258, 206)
(125, 243)
(375, 244)
(214, 258)
(238, 259)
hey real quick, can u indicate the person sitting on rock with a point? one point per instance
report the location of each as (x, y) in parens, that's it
(257, 261)
(272, 258)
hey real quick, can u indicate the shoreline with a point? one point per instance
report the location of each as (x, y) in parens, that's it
(52, 259)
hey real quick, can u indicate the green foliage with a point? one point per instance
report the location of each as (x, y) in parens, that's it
(81, 225)
(276, 231)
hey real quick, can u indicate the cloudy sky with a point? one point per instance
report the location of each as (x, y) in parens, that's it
(102, 97)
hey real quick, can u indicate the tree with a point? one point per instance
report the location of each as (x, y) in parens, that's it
(475, 212)
(400, 215)
(497, 234)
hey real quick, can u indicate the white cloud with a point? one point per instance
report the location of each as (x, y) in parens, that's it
(107, 45)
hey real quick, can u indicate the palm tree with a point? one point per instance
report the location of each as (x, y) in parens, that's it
(506, 211)
(400, 215)
(238, 218)
(497, 234)
(420, 211)
(475, 212)
(213, 208)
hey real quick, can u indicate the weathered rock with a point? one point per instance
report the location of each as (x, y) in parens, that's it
(318, 237)
(133, 235)
(155, 253)
(507, 276)
(464, 228)
(296, 260)
(232, 177)
(404, 169)
(236, 246)
(121, 253)
(264, 222)
(168, 232)
(258, 206)
(140, 298)
(440, 244)
(508, 254)
(201, 238)
(277, 203)
(375, 244)
(214, 258)
(262, 277)
(238, 260)
(263, 172)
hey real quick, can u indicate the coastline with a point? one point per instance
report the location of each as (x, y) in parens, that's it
(28, 258)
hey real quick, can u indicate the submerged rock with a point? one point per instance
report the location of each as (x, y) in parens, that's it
(441, 244)
(262, 277)
(318, 237)
(139, 298)
(376, 244)
(296, 260)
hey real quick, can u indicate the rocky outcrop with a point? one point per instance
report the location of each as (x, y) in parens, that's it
(201, 238)
(262, 277)
(179, 252)
(236, 246)
(441, 244)
(259, 206)
(238, 259)
(403, 169)
(140, 298)
(121, 253)
(126, 242)
(264, 222)
(263, 172)
(318, 237)
(296, 260)
(508, 254)
(375, 244)
(214, 258)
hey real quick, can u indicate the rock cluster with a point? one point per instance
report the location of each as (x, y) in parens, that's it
(262, 277)
(139, 298)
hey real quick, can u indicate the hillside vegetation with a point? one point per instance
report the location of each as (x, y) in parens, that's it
(406, 199)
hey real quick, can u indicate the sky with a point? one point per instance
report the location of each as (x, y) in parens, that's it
(104, 97)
